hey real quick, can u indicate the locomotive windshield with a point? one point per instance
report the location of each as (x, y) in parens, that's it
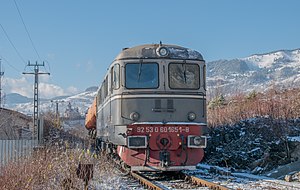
(141, 75)
(184, 76)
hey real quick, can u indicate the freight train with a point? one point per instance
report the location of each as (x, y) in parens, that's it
(150, 109)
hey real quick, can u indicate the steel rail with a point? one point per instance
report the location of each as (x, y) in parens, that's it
(205, 183)
(145, 182)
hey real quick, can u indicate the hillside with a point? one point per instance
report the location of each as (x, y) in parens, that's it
(81, 101)
(257, 72)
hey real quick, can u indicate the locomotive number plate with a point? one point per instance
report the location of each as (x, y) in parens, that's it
(170, 129)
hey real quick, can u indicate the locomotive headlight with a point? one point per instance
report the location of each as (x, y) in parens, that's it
(191, 116)
(197, 141)
(134, 116)
(162, 51)
(137, 141)
(194, 141)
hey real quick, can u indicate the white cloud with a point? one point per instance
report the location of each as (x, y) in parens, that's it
(20, 86)
(50, 90)
(24, 86)
(72, 90)
(44, 78)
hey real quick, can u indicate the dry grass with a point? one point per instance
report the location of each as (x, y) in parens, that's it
(46, 169)
(56, 168)
(277, 104)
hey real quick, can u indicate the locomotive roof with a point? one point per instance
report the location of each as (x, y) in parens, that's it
(151, 51)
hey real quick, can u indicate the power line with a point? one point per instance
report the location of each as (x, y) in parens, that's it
(1, 74)
(27, 31)
(8, 63)
(12, 44)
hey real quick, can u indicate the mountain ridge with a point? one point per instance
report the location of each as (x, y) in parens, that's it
(256, 72)
(274, 51)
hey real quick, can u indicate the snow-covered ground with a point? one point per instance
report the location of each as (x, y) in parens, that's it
(242, 180)
(104, 179)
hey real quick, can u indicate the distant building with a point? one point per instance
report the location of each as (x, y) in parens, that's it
(14, 125)
(72, 113)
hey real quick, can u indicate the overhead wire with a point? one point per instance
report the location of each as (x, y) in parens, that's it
(8, 63)
(28, 34)
(27, 31)
(12, 44)
(2, 71)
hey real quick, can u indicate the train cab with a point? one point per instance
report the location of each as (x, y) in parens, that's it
(151, 107)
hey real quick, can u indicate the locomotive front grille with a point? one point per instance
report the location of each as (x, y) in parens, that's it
(169, 107)
(137, 142)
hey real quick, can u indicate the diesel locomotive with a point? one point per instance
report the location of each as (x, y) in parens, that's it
(150, 109)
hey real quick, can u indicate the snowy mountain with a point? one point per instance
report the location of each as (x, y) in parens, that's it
(257, 72)
(25, 105)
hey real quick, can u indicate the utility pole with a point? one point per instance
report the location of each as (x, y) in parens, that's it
(36, 74)
(1, 74)
(57, 112)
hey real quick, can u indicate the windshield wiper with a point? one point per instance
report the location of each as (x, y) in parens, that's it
(184, 71)
(140, 70)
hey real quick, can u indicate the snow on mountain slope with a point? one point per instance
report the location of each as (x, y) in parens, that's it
(81, 101)
(257, 72)
(292, 57)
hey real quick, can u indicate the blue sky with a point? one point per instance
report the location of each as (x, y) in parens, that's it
(79, 39)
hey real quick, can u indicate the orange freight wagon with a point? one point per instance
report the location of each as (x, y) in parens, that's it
(90, 119)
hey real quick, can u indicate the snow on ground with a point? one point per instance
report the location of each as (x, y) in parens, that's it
(239, 180)
(106, 176)
(294, 139)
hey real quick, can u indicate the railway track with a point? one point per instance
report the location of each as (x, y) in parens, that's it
(150, 184)
(195, 180)
(165, 180)
(205, 177)
(178, 180)
(202, 182)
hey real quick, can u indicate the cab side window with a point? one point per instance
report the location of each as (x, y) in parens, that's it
(106, 87)
(115, 77)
